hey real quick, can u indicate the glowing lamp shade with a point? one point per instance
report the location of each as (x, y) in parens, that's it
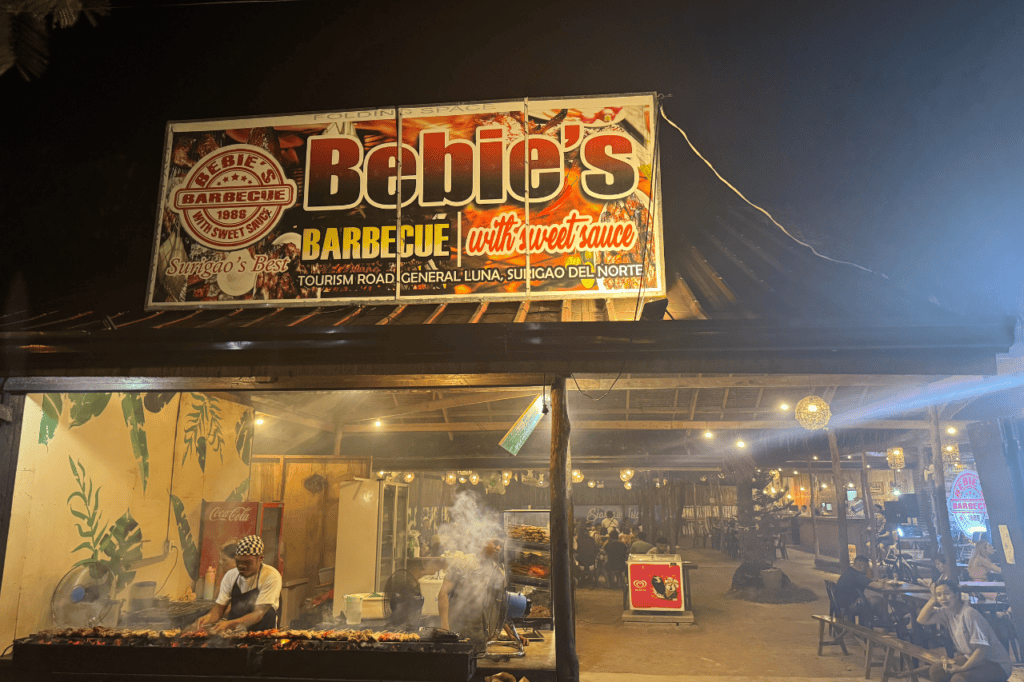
(450, 478)
(627, 485)
(591, 484)
(951, 455)
(577, 476)
(259, 420)
(409, 477)
(707, 434)
(813, 413)
(462, 479)
(625, 475)
(474, 478)
(894, 457)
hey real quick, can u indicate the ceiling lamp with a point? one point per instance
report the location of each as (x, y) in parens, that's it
(450, 478)
(951, 430)
(709, 435)
(591, 484)
(259, 420)
(894, 456)
(813, 413)
(740, 444)
(474, 478)
(951, 454)
(409, 477)
(627, 485)
(625, 475)
(462, 479)
(577, 476)
(703, 479)
(783, 406)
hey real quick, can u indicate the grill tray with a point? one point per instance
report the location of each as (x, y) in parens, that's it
(427, 661)
(34, 658)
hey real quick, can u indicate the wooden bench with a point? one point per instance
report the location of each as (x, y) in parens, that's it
(897, 651)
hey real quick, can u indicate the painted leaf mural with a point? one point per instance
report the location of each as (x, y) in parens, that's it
(90, 524)
(189, 552)
(203, 430)
(121, 546)
(243, 436)
(154, 402)
(240, 493)
(85, 406)
(53, 405)
(135, 419)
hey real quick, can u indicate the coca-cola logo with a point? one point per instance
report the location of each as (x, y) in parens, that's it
(229, 514)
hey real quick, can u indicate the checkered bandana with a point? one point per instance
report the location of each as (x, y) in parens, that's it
(250, 545)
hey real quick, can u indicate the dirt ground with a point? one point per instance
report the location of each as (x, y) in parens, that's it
(732, 638)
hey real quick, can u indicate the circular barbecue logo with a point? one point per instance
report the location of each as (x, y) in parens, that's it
(966, 503)
(233, 197)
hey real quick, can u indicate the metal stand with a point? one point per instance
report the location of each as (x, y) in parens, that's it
(516, 642)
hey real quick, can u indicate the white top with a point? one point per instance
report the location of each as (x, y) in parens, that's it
(270, 586)
(610, 523)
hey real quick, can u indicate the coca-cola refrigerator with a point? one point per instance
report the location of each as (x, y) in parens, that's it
(225, 523)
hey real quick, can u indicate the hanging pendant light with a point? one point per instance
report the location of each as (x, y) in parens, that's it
(951, 455)
(627, 485)
(474, 478)
(626, 474)
(450, 478)
(894, 457)
(591, 484)
(409, 477)
(813, 413)
(577, 476)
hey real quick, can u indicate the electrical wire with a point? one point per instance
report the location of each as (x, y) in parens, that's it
(655, 179)
(177, 554)
(769, 215)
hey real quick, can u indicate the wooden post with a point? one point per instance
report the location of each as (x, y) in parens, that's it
(869, 509)
(814, 508)
(843, 537)
(929, 513)
(941, 510)
(721, 518)
(13, 407)
(567, 665)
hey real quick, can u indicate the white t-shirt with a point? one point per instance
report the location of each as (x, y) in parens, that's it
(610, 523)
(270, 586)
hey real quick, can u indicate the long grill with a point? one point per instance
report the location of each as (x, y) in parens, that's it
(289, 654)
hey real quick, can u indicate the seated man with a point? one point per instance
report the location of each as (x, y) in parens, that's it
(661, 546)
(617, 553)
(850, 597)
(253, 590)
(981, 657)
(640, 545)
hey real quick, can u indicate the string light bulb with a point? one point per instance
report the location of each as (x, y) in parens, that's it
(784, 406)
(591, 484)
(951, 430)
(740, 444)
(709, 435)
(377, 423)
(259, 420)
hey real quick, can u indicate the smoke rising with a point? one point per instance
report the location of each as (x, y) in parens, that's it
(472, 525)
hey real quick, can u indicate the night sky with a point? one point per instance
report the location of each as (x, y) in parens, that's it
(889, 134)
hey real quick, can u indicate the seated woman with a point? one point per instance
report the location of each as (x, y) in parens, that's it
(981, 563)
(981, 657)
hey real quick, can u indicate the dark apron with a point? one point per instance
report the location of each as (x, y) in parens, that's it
(244, 603)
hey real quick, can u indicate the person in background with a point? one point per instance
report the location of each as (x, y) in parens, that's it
(981, 563)
(661, 546)
(602, 538)
(610, 522)
(940, 571)
(850, 596)
(640, 545)
(626, 536)
(981, 657)
(586, 552)
(804, 511)
(251, 588)
(616, 554)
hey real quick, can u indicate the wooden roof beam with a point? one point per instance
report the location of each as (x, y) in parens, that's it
(610, 425)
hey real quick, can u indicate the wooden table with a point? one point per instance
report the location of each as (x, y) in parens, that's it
(982, 586)
(892, 589)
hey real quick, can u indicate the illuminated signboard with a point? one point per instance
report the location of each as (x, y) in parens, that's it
(305, 209)
(967, 504)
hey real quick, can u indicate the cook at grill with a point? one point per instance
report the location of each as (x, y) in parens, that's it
(252, 589)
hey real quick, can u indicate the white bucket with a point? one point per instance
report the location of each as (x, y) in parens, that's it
(353, 609)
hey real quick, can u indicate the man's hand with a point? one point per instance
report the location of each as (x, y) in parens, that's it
(221, 626)
(202, 622)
